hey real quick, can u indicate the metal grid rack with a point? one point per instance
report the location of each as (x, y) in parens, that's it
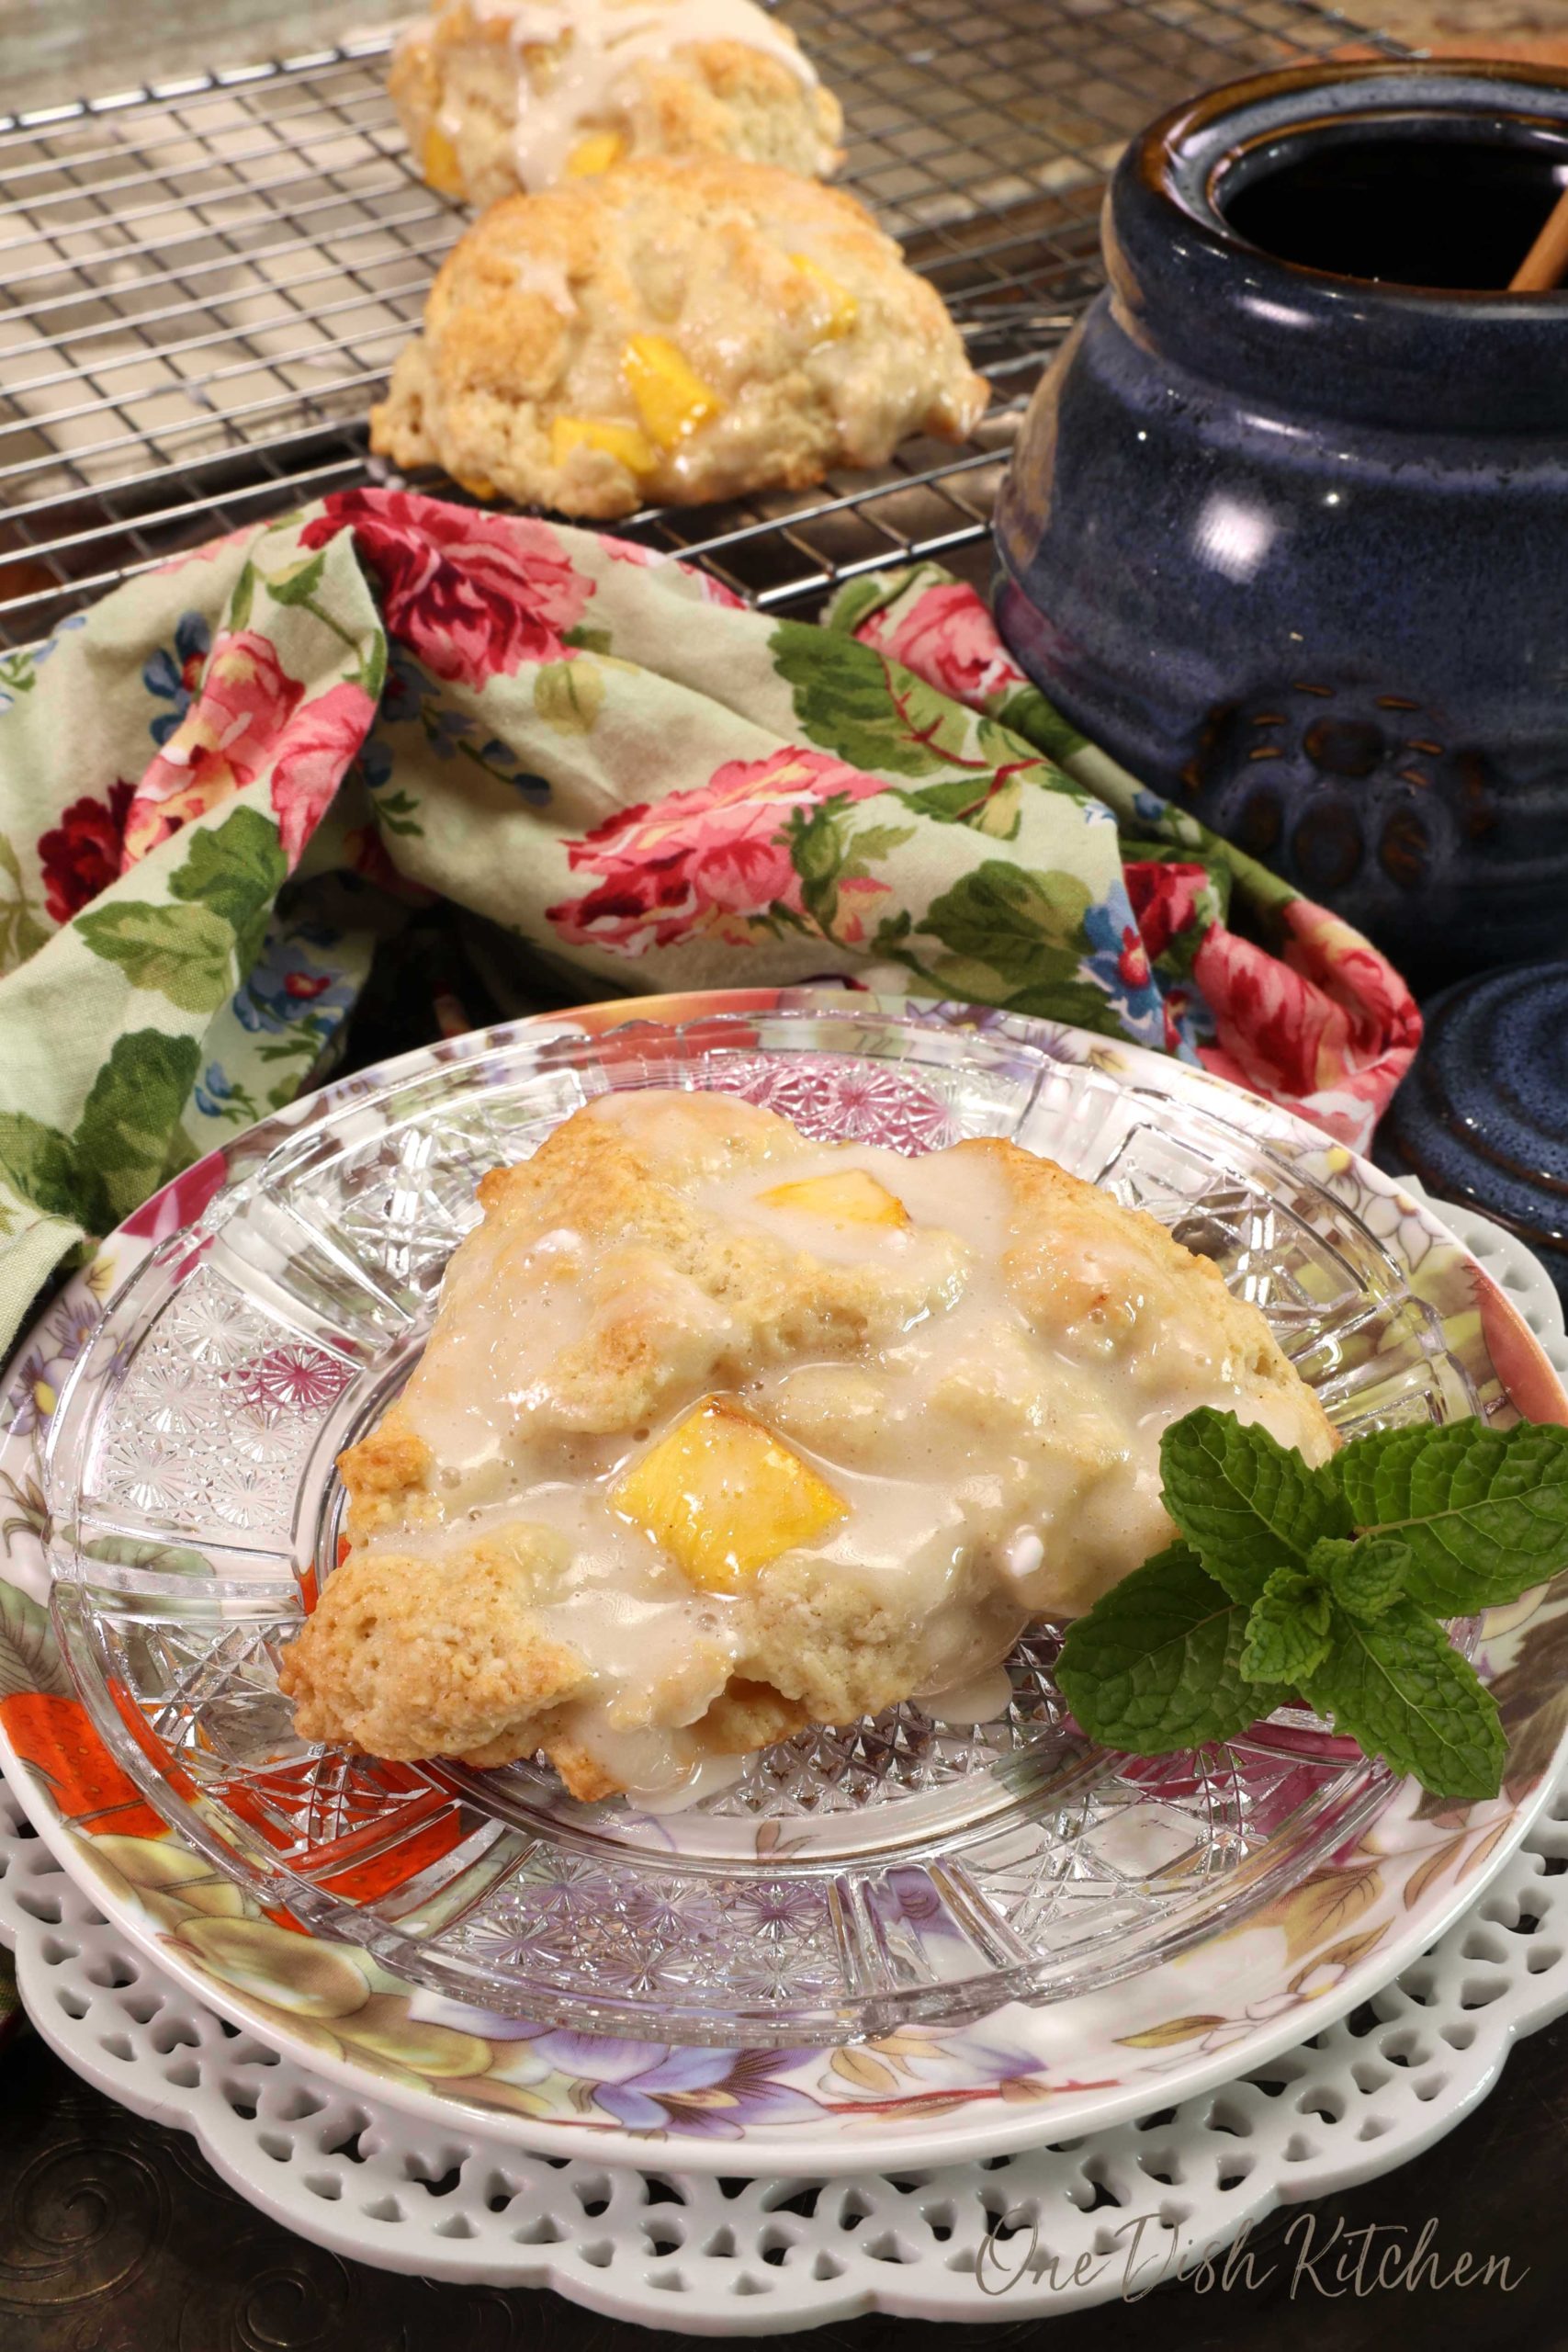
(205, 283)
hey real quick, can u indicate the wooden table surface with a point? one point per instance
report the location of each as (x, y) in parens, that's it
(116, 2237)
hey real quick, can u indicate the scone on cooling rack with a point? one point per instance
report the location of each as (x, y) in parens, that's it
(672, 331)
(720, 1432)
(495, 95)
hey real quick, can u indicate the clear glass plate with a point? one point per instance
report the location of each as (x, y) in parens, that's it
(854, 1879)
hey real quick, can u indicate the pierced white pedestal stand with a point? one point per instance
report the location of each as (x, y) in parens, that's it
(711, 2256)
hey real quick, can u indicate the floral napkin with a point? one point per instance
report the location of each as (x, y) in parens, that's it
(422, 763)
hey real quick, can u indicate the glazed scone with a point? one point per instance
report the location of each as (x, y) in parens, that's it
(495, 95)
(672, 331)
(719, 1433)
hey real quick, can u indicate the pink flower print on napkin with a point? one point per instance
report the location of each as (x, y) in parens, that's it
(312, 760)
(948, 638)
(225, 738)
(714, 858)
(472, 595)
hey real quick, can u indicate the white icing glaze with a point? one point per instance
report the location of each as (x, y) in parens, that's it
(978, 1701)
(705, 1778)
(993, 1470)
(607, 38)
(1023, 1554)
(540, 274)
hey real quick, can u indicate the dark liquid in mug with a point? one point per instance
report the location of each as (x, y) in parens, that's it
(1417, 209)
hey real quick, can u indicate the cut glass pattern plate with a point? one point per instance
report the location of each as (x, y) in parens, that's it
(855, 1879)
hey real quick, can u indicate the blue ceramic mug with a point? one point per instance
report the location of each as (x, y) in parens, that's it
(1286, 530)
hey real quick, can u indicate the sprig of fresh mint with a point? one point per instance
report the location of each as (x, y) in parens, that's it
(1329, 1585)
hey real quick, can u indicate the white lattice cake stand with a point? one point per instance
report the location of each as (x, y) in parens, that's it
(1143, 2201)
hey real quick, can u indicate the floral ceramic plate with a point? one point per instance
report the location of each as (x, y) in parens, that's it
(471, 1937)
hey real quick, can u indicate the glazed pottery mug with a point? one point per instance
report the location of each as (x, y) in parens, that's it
(1286, 530)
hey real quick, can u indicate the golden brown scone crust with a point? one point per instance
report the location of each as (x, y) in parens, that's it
(381, 1474)
(407, 1656)
(1055, 1269)
(750, 1715)
(534, 311)
(420, 1647)
(675, 1305)
(459, 74)
(367, 1669)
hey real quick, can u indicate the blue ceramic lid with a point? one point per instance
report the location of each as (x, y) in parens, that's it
(1483, 1116)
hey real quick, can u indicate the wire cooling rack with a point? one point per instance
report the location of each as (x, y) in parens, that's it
(205, 283)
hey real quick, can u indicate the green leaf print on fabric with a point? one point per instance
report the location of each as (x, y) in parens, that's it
(568, 695)
(1026, 712)
(21, 933)
(39, 1163)
(244, 597)
(1018, 941)
(298, 583)
(186, 954)
(971, 800)
(876, 841)
(814, 838)
(400, 814)
(130, 1134)
(1026, 927)
(121, 1149)
(846, 701)
(237, 869)
(826, 853)
(372, 671)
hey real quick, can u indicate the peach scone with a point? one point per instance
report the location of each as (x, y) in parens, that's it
(495, 95)
(677, 331)
(720, 1432)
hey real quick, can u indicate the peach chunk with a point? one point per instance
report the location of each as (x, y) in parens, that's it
(849, 1197)
(723, 1496)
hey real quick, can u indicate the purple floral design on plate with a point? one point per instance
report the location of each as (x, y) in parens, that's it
(836, 1098)
(644, 2086)
(57, 1342)
(709, 2094)
(294, 1378)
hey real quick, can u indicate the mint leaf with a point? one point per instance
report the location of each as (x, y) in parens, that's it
(1484, 1513)
(1156, 1665)
(1401, 1689)
(1247, 1504)
(1287, 1631)
(1366, 1578)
